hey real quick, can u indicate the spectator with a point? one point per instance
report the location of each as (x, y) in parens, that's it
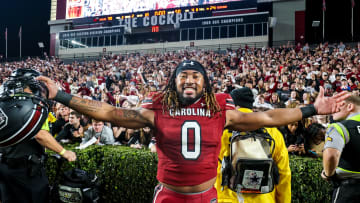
(62, 117)
(294, 97)
(83, 90)
(152, 145)
(294, 138)
(341, 47)
(72, 131)
(352, 83)
(344, 85)
(324, 77)
(306, 47)
(306, 99)
(73, 86)
(130, 137)
(275, 101)
(337, 83)
(329, 91)
(103, 134)
(314, 142)
(260, 102)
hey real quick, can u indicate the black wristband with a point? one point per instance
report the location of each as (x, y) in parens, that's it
(326, 175)
(63, 97)
(308, 111)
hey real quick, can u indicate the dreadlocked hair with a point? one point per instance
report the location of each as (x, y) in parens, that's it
(170, 99)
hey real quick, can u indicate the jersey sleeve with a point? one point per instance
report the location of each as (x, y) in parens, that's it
(225, 101)
(229, 104)
(152, 102)
(336, 137)
(147, 103)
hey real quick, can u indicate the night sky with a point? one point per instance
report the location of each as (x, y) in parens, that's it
(33, 16)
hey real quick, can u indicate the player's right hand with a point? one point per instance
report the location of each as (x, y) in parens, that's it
(50, 84)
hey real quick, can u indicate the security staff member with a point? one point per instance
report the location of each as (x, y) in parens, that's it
(22, 168)
(22, 172)
(341, 152)
(244, 99)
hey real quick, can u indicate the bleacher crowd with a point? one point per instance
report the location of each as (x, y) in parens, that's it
(283, 77)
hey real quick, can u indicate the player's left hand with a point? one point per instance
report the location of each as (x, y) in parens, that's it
(329, 105)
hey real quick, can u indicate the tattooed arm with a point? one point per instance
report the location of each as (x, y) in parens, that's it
(128, 118)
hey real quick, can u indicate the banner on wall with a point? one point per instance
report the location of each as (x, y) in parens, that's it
(91, 33)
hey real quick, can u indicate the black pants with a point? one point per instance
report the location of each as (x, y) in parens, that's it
(346, 193)
(18, 187)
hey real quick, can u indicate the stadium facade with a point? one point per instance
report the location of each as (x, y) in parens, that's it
(92, 27)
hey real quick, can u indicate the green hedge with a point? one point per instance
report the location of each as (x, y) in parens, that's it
(129, 175)
(306, 182)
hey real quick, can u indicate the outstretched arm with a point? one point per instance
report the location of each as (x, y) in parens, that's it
(278, 117)
(237, 120)
(128, 118)
(45, 139)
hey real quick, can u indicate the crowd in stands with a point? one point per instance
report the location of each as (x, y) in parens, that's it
(283, 77)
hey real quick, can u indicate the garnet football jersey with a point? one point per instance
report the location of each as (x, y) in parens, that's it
(188, 140)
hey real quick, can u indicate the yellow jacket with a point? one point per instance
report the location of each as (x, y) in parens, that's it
(51, 118)
(281, 192)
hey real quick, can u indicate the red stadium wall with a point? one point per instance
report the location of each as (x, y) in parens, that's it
(52, 44)
(300, 26)
(61, 9)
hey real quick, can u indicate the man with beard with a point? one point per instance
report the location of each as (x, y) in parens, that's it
(188, 120)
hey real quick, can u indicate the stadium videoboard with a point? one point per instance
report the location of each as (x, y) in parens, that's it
(91, 8)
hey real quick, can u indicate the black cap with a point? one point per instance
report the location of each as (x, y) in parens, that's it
(190, 65)
(243, 97)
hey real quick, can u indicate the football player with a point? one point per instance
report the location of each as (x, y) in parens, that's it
(188, 121)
